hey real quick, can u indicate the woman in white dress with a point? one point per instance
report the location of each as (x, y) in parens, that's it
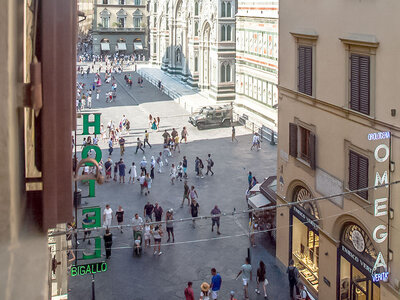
(132, 173)
(204, 294)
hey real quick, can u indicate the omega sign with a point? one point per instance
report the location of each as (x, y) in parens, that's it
(380, 234)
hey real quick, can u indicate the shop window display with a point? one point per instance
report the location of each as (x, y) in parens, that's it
(305, 249)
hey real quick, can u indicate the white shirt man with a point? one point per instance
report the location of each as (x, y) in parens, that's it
(137, 223)
(107, 216)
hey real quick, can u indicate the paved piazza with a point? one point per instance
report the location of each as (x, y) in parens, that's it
(195, 251)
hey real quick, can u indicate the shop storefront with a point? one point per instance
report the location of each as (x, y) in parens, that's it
(356, 257)
(304, 246)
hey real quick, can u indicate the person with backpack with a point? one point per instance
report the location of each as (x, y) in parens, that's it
(293, 275)
(210, 164)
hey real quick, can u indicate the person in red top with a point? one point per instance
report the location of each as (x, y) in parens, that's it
(189, 292)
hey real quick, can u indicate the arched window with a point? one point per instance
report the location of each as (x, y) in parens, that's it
(223, 33)
(228, 73)
(222, 73)
(196, 28)
(155, 6)
(223, 9)
(196, 8)
(228, 9)
(155, 21)
(228, 33)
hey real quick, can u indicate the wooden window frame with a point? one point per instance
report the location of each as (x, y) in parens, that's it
(307, 39)
(365, 46)
(348, 146)
(295, 143)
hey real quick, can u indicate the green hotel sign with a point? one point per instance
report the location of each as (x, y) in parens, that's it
(88, 269)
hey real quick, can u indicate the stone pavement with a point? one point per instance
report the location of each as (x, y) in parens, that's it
(195, 251)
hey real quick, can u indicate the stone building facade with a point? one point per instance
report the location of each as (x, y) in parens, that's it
(120, 26)
(339, 134)
(196, 41)
(257, 60)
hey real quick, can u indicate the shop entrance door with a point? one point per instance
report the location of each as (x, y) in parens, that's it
(360, 289)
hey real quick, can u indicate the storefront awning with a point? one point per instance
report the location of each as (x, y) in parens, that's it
(121, 46)
(105, 46)
(258, 201)
(138, 46)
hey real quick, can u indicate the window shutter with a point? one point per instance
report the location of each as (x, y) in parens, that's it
(308, 71)
(301, 68)
(360, 83)
(364, 84)
(354, 82)
(312, 149)
(353, 170)
(293, 139)
(305, 70)
(363, 176)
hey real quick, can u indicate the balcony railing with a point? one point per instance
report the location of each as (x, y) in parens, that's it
(121, 29)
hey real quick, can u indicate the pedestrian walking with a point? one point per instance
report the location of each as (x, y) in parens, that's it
(193, 193)
(261, 279)
(166, 136)
(120, 217)
(143, 165)
(110, 147)
(158, 212)
(169, 217)
(132, 173)
(179, 170)
(108, 167)
(147, 234)
(210, 164)
(89, 102)
(147, 184)
(246, 271)
(176, 144)
(293, 276)
(174, 133)
(115, 171)
(148, 211)
(166, 154)
(121, 167)
(216, 282)
(215, 219)
(186, 193)
(185, 165)
(234, 135)
(108, 242)
(152, 167)
(204, 294)
(107, 216)
(197, 166)
(146, 139)
(172, 174)
(194, 210)
(250, 180)
(139, 145)
(189, 294)
(142, 181)
(184, 135)
(150, 120)
(137, 225)
(122, 145)
(158, 122)
(201, 167)
(157, 234)
(160, 162)
(154, 125)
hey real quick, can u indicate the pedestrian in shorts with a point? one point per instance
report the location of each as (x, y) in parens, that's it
(216, 282)
(169, 217)
(186, 193)
(246, 271)
(120, 217)
(215, 219)
(185, 165)
(179, 169)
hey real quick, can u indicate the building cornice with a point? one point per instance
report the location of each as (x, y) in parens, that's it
(343, 112)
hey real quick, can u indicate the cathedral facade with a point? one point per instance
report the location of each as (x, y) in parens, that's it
(195, 40)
